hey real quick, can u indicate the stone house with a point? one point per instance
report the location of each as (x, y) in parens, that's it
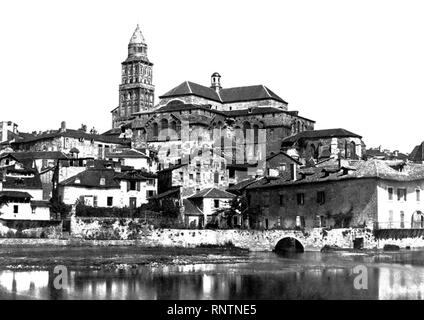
(17, 205)
(312, 146)
(373, 193)
(205, 204)
(76, 143)
(108, 188)
(130, 157)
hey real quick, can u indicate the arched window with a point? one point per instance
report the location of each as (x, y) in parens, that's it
(256, 133)
(352, 149)
(155, 129)
(312, 151)
(174, 128)
(318, 151)
(164, 129)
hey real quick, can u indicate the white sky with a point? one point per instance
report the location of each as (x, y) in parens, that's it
(358, 65)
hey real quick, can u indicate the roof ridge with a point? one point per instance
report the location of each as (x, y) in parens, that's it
(266, 89)
(189, 88)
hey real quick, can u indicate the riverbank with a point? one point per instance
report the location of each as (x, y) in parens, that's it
(116, 257)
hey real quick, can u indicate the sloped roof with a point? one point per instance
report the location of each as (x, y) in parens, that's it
(190, 209)
(15, 194)
(125, 153)
(166, 193)
(91, 178)
(319, 134)
(358, 169)
(417, 153)
(227, 95)
(212, 193)
(70, 133)
(241, 185)
(16, 182)
(38, 155)
(284, 154)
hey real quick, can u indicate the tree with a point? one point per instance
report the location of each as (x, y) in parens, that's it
(238, 207)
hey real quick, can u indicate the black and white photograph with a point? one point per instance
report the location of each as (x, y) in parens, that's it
(211, 151)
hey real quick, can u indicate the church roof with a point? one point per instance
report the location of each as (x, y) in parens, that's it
(319, 134)
(137, 37)
(227, 95)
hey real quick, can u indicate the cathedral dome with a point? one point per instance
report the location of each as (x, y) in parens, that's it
(137, 37)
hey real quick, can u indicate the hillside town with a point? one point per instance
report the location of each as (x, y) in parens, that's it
(202, 156)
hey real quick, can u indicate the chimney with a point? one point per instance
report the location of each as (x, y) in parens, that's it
(63, 126)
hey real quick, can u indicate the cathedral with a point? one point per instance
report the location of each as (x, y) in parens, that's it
(191, 118)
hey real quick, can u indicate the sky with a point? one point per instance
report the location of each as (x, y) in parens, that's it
(357, 65)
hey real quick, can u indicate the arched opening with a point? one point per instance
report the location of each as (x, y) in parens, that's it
(155, 129)
(352, 150)
(289, 245)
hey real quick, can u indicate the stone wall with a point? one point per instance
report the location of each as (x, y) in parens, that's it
(30, 229)
(254, 240)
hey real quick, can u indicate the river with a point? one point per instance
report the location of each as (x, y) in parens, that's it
(131, 273)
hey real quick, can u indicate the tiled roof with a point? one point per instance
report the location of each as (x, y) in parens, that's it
(319, 134)
(378, 169)
(417, 153)
(125, 153)
(40, 203)
(227, 95)
(91, 178)
(77, 134)
(248, 93)
(241, 185)
(38, 155)
(190, 209)
(15, 194)
(135, 175)
(166, 193)
(212, 193)
(17, 182)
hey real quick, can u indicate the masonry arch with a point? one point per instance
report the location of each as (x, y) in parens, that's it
(289, 245)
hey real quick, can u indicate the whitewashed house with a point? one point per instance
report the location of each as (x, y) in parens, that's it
(108, 188)
(200, 208)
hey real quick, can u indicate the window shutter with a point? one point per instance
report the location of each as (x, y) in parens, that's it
(138, 185)
(128, 186)
(81, 199)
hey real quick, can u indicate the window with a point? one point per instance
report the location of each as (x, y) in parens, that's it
(191, 176)
(390, 218)
(402, 220)
(109, 201)
(418, 194)
(182, 176)
(216, 203)
(150, 193)
(300, 198)
(300, 221)
(321, 197)
(15, 209)
(281, 199)
(198, 177)
(33, 210)
(401, 194)
(390, 193)
(95, 201)
(133, 185)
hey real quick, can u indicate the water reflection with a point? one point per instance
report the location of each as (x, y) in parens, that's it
(264, 276)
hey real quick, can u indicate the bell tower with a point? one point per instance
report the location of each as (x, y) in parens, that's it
(136, 91)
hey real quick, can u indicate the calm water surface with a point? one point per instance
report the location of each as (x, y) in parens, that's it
(311, 275)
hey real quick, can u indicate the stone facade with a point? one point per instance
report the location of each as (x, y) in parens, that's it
(282, 208)
(136, 92)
